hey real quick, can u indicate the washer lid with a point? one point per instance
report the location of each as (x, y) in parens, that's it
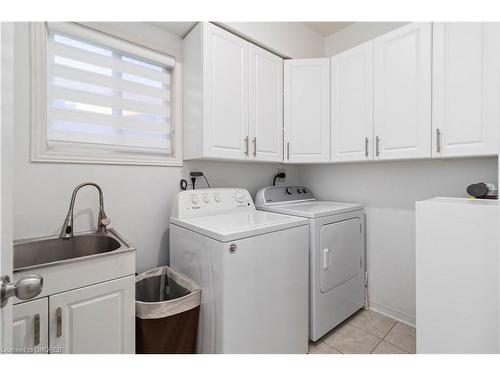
(312, 209)
(235, 226)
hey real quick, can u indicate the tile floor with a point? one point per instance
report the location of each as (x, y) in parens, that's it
(367, 332)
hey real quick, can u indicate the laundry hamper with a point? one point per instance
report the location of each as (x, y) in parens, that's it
(167, 309)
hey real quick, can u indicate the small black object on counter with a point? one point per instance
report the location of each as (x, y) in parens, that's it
(483, 190)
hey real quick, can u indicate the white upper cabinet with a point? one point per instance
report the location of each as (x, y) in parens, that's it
(419, 91)
(232, 104)
(266, 105)
(466, 88)
(307, 110)
(402, 93)
(352, 104)
(215, 105)
(225, 94)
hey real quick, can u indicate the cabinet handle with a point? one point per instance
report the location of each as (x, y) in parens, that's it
(59, 322)
(377, 141)
(366, 147)
(254, 141)
(246, 146)
(288, 151)
(36, 330)
(438, 140)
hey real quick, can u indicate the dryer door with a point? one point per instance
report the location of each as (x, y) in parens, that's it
(341, 252)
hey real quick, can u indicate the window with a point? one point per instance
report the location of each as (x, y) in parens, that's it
(103, 99)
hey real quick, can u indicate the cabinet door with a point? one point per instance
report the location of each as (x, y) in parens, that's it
(99, 319)
(266, 105)
(402, 80)
(352, 104)
(30, 327)
(225, 94)
(466, 82)
(307, 110)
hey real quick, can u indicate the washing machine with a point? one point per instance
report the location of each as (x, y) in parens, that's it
(252, 269)
(337, 252)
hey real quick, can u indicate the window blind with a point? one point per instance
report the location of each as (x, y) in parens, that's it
(107, 93)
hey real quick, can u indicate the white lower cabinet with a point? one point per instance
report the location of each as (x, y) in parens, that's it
(30, 327)
(456, 275)
(94, 319)
(97, 319)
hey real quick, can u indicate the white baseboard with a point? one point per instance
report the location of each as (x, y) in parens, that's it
(392, 313)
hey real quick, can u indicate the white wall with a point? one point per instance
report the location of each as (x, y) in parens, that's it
(288, 39)
(355, 34)
(389, 191)
(137, 198)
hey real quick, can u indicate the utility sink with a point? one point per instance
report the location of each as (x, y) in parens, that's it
(48, 251)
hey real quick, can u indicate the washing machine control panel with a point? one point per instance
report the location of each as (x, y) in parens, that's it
(205, 202)
(281, 194)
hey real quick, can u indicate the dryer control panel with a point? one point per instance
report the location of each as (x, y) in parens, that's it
(283, 194)
(206, 202)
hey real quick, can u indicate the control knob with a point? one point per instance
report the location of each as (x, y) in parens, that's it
(288, 191)
(240, 197)
(195, 200)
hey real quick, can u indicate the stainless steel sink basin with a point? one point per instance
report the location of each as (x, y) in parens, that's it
(53, 250)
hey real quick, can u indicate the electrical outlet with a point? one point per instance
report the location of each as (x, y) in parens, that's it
(280, 180)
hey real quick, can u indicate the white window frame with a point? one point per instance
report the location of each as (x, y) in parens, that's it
(40, 150)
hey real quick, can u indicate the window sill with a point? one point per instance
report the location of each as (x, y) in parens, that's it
(50, 156)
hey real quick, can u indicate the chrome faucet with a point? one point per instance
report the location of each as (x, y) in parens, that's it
(102, 219)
